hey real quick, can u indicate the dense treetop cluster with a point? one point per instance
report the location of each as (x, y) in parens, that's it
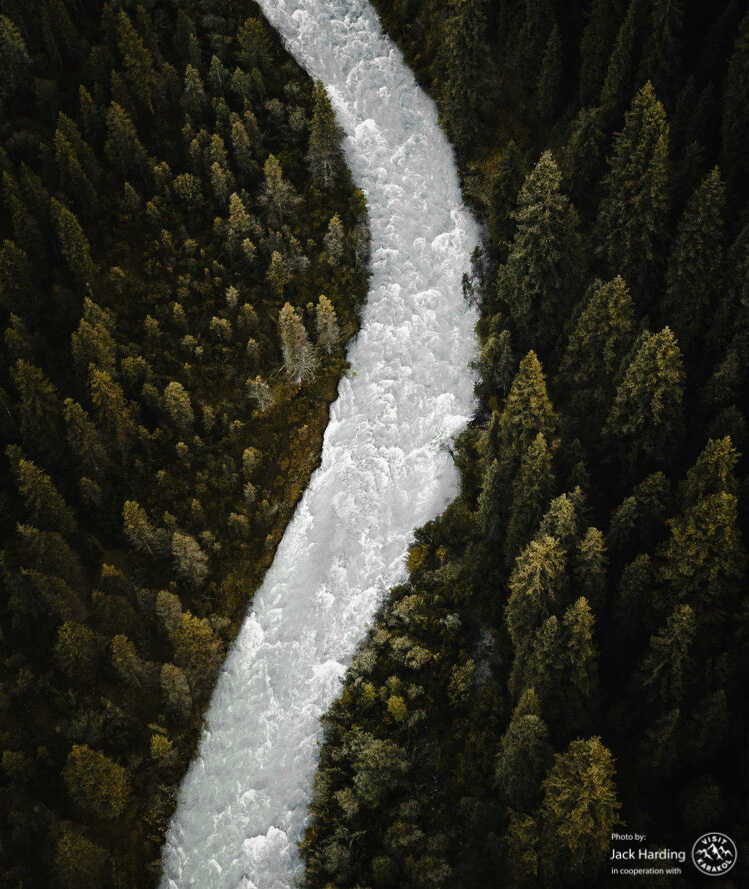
(182, 257)
(569, 654)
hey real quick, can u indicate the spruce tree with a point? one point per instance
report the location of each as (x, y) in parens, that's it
(619, 81)
(646, 416)
(505, 180)
(463, 65)
(539, 280)
(326, 325)
(324, 157)
(15, 62)
(524, 756)
(604, 19)
(577, 708)
(634, 210)
(662, 55)
(278, 195)
(601, 338)
(538, 22)
(74, 244)
(665, 671)
(527, 412)
(298, 355)
(535, 586)
(735, 122)
(531, 490)
(549, 82)
(578, 812)
(137, 60)
(693, 276)
(122, 146)
(582, 158)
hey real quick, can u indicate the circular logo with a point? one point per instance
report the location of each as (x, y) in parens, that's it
(714, 854)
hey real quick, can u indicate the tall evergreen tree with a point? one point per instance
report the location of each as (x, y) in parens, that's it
(549, 82)
(531, 491)
(324, 155)
(15, 62)
(604, 19)
(619, 81)
(539, 280)
(693, 276)
(463, 64)
(662, 56)
(634, 210)
(524, 756)
(527, 412)
(735, 123)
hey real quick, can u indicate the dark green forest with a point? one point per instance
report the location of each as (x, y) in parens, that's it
(569, 655)
(182, 260)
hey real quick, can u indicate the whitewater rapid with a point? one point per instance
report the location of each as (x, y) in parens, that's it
(385, 468)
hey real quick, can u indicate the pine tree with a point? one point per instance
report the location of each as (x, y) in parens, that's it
(254, 45)
(489, 507)
(524, 756)
(600, 340)
(298, 354)
(582, 158)
(84, 440)
(39, 408)
(634, 210)
(326, 325)
(113, 409)
(193, 95)
(549, 82)
(335, 240)
(74, 244)
(647, 412)
(324, 157)
(693, 276)
(242, 149)
(463, 64)
(539, 664)
(538, 281)
(531, 490)
(578, 812)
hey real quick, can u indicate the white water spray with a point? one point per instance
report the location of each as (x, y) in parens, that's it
(243, 803)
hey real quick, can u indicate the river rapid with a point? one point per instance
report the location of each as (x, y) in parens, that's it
(385, 467)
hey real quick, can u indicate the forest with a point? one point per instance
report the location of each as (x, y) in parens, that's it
(568, 656)
(183, 257)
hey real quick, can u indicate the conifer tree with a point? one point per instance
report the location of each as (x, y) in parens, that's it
(326, 325)
(79, 862)
(538, 21)
(176, 692)
(582, 158)
(598, 37)
(15, 62)
(190, 562)
(139, 530)
(578, 811)
(278, 196)
(735, 121)
(96, 783)
(44, 504)
(39, 407)
(535, 587)
(74, 244)
(254, 48)
(623, 61)
(464, 50)
(634, 210)
(496, 365)
(527, 412)
(335, 240)
(298, 354)
(647, 411)
(505, 181)
(112, 408)
(531, 490)
(178, 406)
(122, 146)
(127, 663)
(549, 83)
(579, 704)
(590, 566)
(137, 60)
(665, 670)
(83, 438)
(601, 338)
(538, 281)
(662, 54)
(693, 276)
(193, 95)
(539, 664)
(324, 155)
(524, 756)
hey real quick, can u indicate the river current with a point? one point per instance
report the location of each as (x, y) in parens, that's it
(385, 466)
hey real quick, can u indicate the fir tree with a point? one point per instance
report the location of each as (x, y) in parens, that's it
(647, 411)
(538, 281)
(524, 756)
(620, 71)
(578, 811)
(278, 196)
(634, 210)
(298, 355)
(15, 62)
(600, 32)
(463, 65)
(326, 325)
(505, 180)
(324, 155)
(531, 490)
(665, 670)
(122, 146)
(662, 55)
(527, 412)
(535, 586)
(74, 244)
(693, 276)
(178, 406)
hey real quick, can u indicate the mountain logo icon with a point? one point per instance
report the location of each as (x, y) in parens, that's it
(714, 854)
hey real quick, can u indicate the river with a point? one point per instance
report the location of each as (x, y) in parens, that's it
(385, 467)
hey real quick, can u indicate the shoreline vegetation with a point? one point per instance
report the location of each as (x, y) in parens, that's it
(183, 258)
(567, 657)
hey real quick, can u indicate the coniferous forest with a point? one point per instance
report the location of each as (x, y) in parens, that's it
(183, 256)
(569, 656)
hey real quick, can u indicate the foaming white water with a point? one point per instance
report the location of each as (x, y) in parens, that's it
(243, 803)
